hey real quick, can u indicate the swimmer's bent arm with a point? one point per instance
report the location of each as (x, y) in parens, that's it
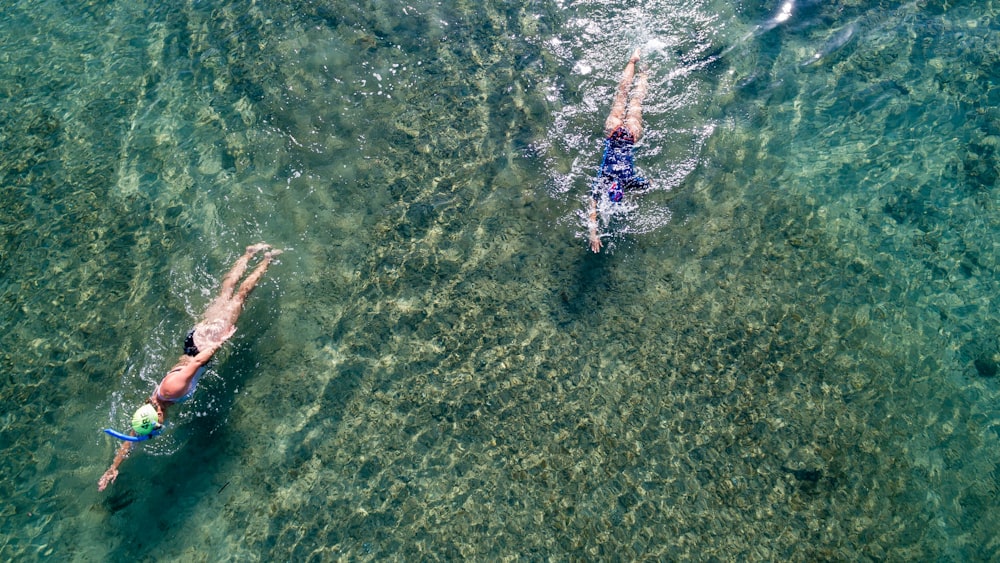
(179, 378)
(205, 355)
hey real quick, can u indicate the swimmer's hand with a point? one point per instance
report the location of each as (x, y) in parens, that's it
(595, 242)
(109, 477)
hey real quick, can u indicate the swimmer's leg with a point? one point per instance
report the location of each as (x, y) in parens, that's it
(617, 115)
(248, 284)
(633, 117)
(236, 272)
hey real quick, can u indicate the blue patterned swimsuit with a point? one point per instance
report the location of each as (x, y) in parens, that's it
(617, 171)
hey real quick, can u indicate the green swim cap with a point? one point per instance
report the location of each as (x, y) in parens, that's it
(145, 420)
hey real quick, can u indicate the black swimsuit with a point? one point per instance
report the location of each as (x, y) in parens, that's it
(189, 348)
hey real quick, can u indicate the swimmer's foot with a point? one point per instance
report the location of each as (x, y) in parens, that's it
(254, 249)
(272, 253)
(635, 56)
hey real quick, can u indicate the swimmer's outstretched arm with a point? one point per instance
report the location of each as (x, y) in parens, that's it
(112, 473)
(123, 451)
(595, 237)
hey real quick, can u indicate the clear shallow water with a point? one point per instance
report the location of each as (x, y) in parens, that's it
(786, 355)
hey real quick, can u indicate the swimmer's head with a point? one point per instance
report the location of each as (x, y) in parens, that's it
(145, 420)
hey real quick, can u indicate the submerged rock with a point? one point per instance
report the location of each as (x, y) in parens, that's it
(986, 367)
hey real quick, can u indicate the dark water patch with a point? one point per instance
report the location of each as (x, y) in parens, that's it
(986, 367)
(979, 166)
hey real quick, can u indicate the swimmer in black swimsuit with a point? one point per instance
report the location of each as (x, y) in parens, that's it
(216, 327)
(622, 130)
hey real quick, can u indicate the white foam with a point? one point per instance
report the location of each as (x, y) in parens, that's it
(582, 68)
(655, 45)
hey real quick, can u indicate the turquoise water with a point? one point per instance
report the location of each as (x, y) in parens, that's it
(789, 351)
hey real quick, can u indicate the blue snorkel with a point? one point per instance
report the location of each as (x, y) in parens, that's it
(130, 438)
(145, 425)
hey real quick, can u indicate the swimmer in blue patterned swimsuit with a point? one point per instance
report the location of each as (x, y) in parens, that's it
(622, 130)
(216, 327)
